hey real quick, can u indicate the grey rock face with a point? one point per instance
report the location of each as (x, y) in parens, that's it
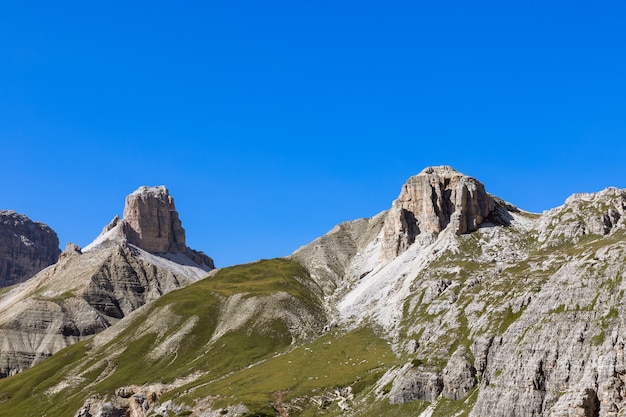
(583, 214)
(79, 296)
(459, 375)
(26, 247)
(435, 199)
(329, 257)
(420, 383)
(152, 221)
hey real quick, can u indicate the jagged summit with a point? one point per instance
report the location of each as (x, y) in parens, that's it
(438, 198)
(151, 223)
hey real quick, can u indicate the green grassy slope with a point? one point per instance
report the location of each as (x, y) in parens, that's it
(60, 385)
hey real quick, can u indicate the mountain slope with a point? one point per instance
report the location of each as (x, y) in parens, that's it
(88, 291)
(197, 334)
(451, 303)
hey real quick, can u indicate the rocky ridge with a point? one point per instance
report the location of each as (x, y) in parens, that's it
(88, 290)
(26, 247)
(518, 314)
(451, 303)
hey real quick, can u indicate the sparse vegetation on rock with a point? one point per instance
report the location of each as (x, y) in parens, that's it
(514, 314)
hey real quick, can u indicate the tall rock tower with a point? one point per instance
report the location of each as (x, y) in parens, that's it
(437, 198)
(152, 221)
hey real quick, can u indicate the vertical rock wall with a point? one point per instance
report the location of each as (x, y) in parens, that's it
(438, 198)
(153, 222)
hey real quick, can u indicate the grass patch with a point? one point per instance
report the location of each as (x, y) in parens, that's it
(504, 319)
(24, 394)
(261, 278)
(383, 408)
(559, 309)
(5, 290)
(334, 360)
(598, 339)
(461, 408)
(58, 298)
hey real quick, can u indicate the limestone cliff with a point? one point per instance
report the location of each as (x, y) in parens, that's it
(151, 223)
(438, 198)
(26, 247)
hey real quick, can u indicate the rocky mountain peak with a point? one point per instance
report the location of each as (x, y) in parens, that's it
(134, 261)
(438, 198)
(441, 170)
(152, 222)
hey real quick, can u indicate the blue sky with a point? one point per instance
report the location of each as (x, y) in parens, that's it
(270, 122)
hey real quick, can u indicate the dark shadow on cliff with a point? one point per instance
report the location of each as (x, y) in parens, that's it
(501, 214)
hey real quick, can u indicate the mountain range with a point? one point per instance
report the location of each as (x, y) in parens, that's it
(453, 302)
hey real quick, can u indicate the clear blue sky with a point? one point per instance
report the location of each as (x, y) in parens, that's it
(272, 121)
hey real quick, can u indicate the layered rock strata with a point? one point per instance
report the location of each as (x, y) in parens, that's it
(134, 261)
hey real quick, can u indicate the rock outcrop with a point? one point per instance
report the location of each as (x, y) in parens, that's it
(412, 384)
(130, 264)
(152, 221)
(26, 247)
(435, 199)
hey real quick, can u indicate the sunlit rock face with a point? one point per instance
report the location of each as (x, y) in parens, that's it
(153, 222)
(438, 198)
